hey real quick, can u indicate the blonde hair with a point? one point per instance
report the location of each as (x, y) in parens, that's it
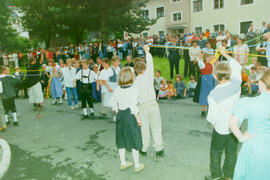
(69, 60)
(84, 61)
(266, 78)
(223, 71)
(115, 58)
(125, 76)
(139, 67)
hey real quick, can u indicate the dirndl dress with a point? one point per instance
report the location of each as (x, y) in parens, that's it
(128, 133)
(207, 85)
(56, 88)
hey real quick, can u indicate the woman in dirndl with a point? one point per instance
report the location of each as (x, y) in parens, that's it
(207, 80)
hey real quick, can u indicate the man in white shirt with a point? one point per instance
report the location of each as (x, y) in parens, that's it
(148, 108)
(221, 101)
(69, 77)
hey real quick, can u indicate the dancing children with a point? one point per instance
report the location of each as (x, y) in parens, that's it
(8, 86)
(180, 87)
(149, 113)
(54, 73)
(221, 101)
(84, 75)
(124, 103)
(254, 159)
(207, 80)
(32, 80)
(69, 75)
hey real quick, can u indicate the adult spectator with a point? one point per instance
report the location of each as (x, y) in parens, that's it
(174, 58)
(230, 42)
(201, 41)
(186, 58)
(261, 49)
(194, 53)
(220, 38)
(240, 51)
(267, 29)
(207, 33)
(263, 27)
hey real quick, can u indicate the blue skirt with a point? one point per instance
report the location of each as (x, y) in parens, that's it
(207, 85)
(56, 88)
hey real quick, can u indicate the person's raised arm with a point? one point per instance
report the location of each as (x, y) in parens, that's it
(200, 61)
(149, 63)
(236, 68)
(41, 57)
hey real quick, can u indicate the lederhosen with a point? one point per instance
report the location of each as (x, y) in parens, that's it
(262, 60)
(86, 91)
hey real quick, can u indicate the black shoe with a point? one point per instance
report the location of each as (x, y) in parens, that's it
(84, 117)
(143, 153)
(203, 114)
(160, 153)
(91, 116)
(16, 123)
(8, 123)
(211, 178)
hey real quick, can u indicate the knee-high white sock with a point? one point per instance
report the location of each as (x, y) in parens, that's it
(6, 117)
(122, 154)
(14, 117)
(135, 155)
(85, 111)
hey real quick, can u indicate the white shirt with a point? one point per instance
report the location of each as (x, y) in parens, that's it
(194, 53)
(145, 82)
(124, 98)
(219, 39)
(69, 75)
(88, 76)
(105, 74)
(222, 99)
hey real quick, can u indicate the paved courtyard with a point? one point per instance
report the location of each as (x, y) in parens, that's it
(61, 146)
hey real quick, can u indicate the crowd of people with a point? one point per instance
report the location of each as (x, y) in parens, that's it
(86, 74)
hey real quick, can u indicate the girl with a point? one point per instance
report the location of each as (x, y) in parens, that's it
(180, 87)
(124, 102)
(53, 71)
(207, 80)
(171, 89)
(163, 90)
(254, 159)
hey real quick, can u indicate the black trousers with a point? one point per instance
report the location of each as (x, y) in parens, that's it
(87, 95)
(186, 67)
(9, 105)
(219, 143)
(174, 64)
(192, 68)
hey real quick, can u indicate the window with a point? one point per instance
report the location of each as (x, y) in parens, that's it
(198, 30)
(244, 2)
(145, 34)
(161, 33)
(197, 5)
(160, 12)
(177, 16)
(218, 4)
(145, 14)
(219, 27)
(244, 26)
(174, 1)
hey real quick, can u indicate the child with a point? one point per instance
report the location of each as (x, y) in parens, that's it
(221, 101)
(244, 86)
(20, 76)
(95, 84)
(171, 90)
(254, 160)
(54, 73)
(253, 80)
(207, 80)
(84, 75)
(192, 84)
(77, 66)
(124, 102)
(157, 81)
(254, 62)
(69, 76)
(44, 79)
(148, 106)
(8, 87)
(32, 81)
(163, 90)
(129, 62)
(179, 86)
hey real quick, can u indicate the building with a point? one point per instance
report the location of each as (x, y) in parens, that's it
(173, 16)
(233, 15)
(199, 15)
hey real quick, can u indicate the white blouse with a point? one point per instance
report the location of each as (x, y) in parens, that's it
(124, 98)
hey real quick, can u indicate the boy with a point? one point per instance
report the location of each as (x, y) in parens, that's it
(84, 75)
(157, 82)
(148, 106)
(129, 62)
(221, 100)
(253, 80)
(8, 87)
(192, 84)
(69, 75)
